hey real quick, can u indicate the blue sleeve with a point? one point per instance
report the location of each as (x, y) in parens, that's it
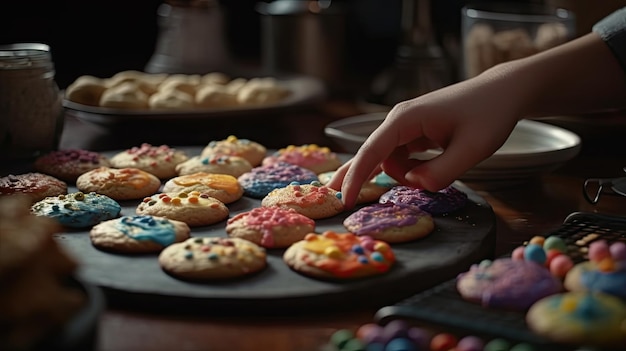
(612, 29)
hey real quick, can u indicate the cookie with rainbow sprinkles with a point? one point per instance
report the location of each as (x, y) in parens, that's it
(342, 256)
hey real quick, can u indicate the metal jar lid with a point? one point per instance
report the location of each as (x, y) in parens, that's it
(24, 55)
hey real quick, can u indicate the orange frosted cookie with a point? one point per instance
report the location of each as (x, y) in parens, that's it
(313, 200)
(158, 160)
(223, 187)
(248, 149)
(340, 256)
(310, 156)
(270, 227)
(119, 184)
(193, 208)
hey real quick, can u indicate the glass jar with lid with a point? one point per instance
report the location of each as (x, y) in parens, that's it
(31, 108)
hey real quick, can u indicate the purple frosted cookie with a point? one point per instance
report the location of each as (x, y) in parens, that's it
(261, 180)
(508, 284)
(392, 223)
(446, 200)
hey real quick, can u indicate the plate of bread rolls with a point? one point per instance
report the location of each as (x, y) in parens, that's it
(136, 96)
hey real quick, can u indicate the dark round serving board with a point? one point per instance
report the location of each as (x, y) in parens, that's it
(459, 239)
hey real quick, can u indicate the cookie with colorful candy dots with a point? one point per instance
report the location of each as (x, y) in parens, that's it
(220, 164)
(210, 258)
(506, 283)
(605, 271)
(550, 252)
(223, 187)
(579, 318)
(252, 151)
(392, 223)
(158, 160)
(68, 164)
(310, 156)
(270, 227)
(261, 180)
(36, 186)
(119, 183)
(370, 191)
(135, 234)
(78, 209)
(194, 208)
(447, 200)
(342, 256)
(313, 200)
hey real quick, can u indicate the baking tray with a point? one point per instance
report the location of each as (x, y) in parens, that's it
(443, 307)
(460, 239)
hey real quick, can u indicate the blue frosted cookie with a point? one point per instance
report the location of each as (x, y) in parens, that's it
(78, 210)
(261, 180)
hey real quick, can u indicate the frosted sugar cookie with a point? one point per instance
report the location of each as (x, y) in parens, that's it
(233, 146)
(507, 284)
(605, 271)
(310, 156)
(223, 187)
(392, 223)
(68, 164)
(212, 258)
(119, 183)
(193, 208)
(261, 180)
(138, 234)
(579, 318)
(313, 200)
(339, 256)
(370, 191)
(78, 210)
(220, 164)
(37, 186)
(270, 227)
(158, 160)
(446, 200)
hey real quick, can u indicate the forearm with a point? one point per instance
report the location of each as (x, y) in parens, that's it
(580, 76)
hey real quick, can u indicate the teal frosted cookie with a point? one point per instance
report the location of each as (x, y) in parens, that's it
(138, 234)
(78, 210)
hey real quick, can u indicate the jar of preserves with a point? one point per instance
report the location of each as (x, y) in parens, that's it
(31, 108)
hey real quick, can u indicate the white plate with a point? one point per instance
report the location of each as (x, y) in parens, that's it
(304, 90)
(532, 148)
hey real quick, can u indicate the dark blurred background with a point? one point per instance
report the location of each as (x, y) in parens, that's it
(101, 38)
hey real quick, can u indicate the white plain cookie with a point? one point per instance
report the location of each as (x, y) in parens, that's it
(212, 258)
(138, 234)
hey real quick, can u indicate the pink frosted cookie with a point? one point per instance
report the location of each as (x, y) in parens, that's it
(232, 146)
(158, 160)
(313, 200)
(508, 284)
(444, 201)
(310, 156)
(342, 256)
(36, 186)
(270, 227)
(605, 271)
(391, 223)
(223, 187)
(220, 164)
(68, 164)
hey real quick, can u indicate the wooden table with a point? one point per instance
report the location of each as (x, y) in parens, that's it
(532, 208)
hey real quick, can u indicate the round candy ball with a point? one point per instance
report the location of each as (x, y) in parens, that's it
(535, 253)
